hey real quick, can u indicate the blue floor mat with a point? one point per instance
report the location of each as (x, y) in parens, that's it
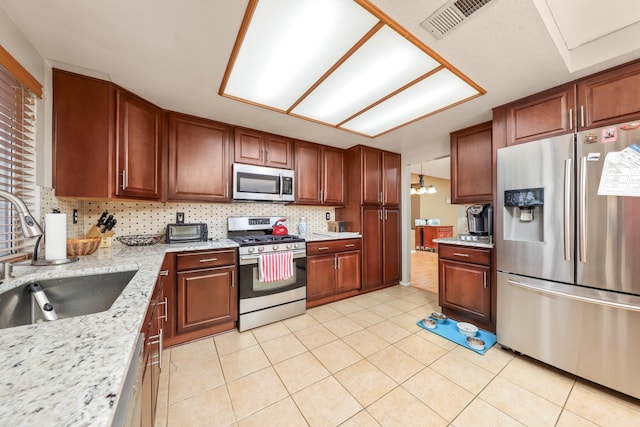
(449, 330)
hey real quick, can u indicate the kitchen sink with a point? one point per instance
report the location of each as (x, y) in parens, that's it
(69, 296)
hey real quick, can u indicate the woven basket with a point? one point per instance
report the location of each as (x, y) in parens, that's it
(80, 247)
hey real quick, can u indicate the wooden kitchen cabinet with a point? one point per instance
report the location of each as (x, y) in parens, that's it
(333, 270)
(199, 159)
(106, 140)
(206, 297)
(425, 234)
(381, 261)
(263, 149)
(319, 174)
(465, 284)
(391, 250)
(391, 177)
(138, 151)
(472, 164)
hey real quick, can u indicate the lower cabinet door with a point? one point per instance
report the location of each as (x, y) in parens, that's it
(206, 298)
(466, 288)
(320, 276)
(348, 271)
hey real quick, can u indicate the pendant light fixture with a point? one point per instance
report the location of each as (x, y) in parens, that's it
(421, 188)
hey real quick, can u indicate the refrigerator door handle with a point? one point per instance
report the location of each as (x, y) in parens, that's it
(581, 298)
(567, 210)
(582, 211)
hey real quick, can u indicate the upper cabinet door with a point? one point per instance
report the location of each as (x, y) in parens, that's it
(138, 152)
(199, 160)
(371, 176)
(258, 148)
(278, 152)
(610, 97)
(543, 115)
(391, 178)
(472, 164)
(308, 173)
(333, 176)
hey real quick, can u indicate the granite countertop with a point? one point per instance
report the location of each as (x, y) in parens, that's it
(331, 235)
(70, 371)
(456, 241)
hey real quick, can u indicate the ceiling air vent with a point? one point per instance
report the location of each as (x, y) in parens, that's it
(451, 15)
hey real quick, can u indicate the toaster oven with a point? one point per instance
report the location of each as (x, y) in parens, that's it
(181, 233)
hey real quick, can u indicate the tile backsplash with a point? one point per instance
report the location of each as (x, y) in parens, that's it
(137, 217)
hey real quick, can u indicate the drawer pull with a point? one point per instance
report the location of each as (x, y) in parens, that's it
(459, 254)
(349, 245)
(163, 273)
(209, 260)
(324, 248)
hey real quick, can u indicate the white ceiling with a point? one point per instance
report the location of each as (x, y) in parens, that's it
(174, 53)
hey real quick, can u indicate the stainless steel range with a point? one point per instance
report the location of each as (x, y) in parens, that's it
(272, 276)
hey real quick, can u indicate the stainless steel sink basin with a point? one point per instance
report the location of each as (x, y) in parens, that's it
(69, 296)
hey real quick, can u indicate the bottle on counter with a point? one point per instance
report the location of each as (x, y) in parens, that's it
(302, 226)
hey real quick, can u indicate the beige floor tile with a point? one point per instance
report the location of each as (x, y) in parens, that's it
(361, 419)
(315, 336)
(424, 298)
(385, 310)
(383, 295)
(569, 419)
(298, 323)
(342, 326)
(284, 413)
(444, 396)
(166, 360)
(404, 305)
(520, 404)
(194, 352)
(462, 372)
(243, 362)
(494, 360)
(421, 349)
(300, 371)
(323, 313)
(270, 331)
(401, 408)
(424, 310)
(550, 383)
(480, 414)
(326, 403)
(255, 392)
(194, 379)
(603, 406)
(365, 300)
(282, 348)
(396, 363)
(365, 342)
(336, 355)
(407, 321)
(233, 341)
(365, 318)
(389, 331)
(201, 409)
(346, 306)
(365, 382)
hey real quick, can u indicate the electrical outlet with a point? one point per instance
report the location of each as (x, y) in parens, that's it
(327, 216)
(180, 218)
(75, 216)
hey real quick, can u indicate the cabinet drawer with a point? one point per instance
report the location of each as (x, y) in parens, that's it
(331, 246)
(205, 259)
(465, 254)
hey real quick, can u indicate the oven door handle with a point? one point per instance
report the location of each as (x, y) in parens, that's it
(256, 257)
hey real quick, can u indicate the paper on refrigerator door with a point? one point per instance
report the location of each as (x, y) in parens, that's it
(621, 174)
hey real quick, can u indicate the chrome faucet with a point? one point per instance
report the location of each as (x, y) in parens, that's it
(30, 228)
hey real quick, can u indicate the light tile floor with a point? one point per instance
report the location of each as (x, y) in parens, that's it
(364, 362)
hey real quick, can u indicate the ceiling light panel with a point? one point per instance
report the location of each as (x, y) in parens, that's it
(384, 64)
(290, 44)
(432, 94)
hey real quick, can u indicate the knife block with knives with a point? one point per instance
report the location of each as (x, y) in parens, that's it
(103, 229)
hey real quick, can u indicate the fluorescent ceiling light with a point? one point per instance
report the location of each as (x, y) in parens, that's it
(341, 63)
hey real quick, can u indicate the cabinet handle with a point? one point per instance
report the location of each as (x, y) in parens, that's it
(125, 182)
(582, 115)
(226, 189)
(324, 248)
(322, 195)
(459, 254)
(266, 156)
(208, 260)
(485, 279)
(385, 214)
(164, 303)
(380, 214)
(570, 118)
(233, 279)
(157, 340)
(380, 197)
(338, 263)
(335, 264)
(350, 245)
(163, 273)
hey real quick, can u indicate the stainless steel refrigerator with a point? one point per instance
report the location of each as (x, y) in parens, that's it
(568, 254)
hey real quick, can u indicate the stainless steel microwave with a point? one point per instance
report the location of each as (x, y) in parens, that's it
(262, 184)
(181, 233)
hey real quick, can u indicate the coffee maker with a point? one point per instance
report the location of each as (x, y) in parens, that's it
(480, 220)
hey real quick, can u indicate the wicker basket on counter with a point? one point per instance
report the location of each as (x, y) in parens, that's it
(84, 246)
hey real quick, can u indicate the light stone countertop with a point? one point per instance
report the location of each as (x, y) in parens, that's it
(457, 241)
(330, 235)
(70, 372)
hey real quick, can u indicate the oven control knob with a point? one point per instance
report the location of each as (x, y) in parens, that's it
(275, 247)
(295, 245)
(251, 250)
(261, 249)
(289, 246)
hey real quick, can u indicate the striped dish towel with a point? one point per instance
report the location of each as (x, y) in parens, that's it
(275, 267)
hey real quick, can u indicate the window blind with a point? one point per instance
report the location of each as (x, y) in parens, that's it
(17, 161)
